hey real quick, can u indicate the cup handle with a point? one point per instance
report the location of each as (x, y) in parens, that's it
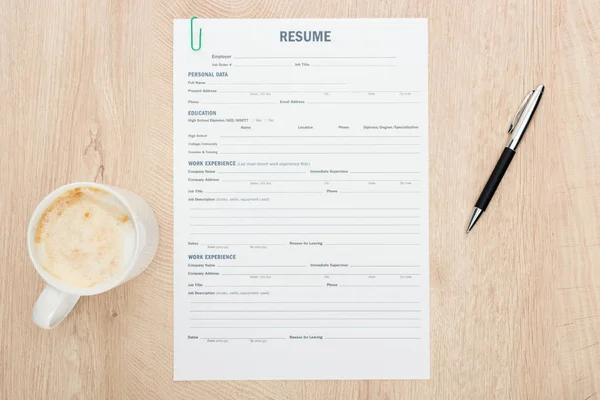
(52, 307)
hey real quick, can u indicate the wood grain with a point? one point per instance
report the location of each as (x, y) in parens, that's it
(87, 95)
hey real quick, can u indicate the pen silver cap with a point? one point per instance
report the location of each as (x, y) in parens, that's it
(520, 111)
(523, 116)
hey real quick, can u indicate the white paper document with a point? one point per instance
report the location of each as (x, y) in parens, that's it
(301, 199)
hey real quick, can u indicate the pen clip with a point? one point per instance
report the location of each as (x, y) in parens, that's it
(520, 111)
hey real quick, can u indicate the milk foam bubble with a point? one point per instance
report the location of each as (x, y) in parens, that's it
(85, 237)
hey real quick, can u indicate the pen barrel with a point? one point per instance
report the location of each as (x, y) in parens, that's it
(495, 178)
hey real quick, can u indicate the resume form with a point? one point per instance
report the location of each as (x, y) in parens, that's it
(301, 246)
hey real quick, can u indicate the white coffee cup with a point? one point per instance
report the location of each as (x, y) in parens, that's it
(58, 298)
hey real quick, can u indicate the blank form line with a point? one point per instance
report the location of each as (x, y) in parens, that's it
(314, 192)
(321, 274)
(319, 144)
(380, 285)
(241, 244)
(263, 266)
(373, 338)
(352, 65)
(313, 57)
(314, 217)
(263, 65)
(312, 65)
(305, 311)
(260, 172)
(317, 136)
(385, 266)
(240, 338)
(305, 319)
(384, 172)
(304, 302)
(305, 225)
(305, 233)
(327, 154)
(324, 91)
(322, 180)
(305, 327)
(362, 102)
(259, 266)
(261, 286)
(243, 102)
(373, 244)
(373, 192)
(275, 83)
(312, 208)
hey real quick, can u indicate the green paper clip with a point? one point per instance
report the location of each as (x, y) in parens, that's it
(192, 35)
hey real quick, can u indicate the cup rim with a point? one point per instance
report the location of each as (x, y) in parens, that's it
(52, 280)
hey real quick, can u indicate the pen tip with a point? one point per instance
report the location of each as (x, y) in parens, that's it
(476, 214)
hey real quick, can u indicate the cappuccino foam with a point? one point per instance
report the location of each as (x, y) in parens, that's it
(85, 237)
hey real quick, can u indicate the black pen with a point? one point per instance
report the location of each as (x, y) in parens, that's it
(517, 130)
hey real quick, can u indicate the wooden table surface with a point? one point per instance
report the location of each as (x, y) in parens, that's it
(86, 94)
